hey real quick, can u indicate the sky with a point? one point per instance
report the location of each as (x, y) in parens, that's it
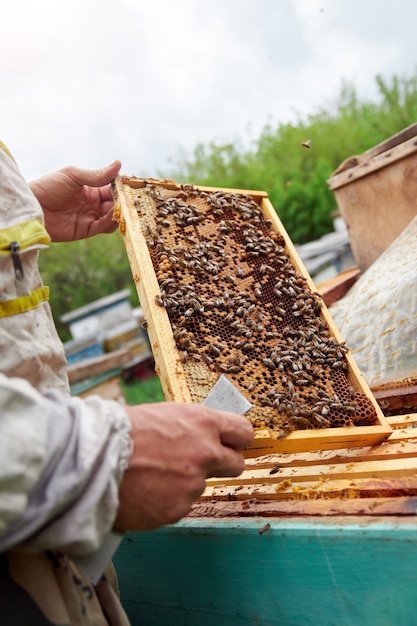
(83, 82)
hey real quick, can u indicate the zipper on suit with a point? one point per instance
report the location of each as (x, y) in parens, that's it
(14, 251)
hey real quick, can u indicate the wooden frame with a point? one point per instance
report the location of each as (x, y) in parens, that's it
(168, 363)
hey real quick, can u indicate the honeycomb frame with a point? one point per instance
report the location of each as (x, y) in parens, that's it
(200, 326)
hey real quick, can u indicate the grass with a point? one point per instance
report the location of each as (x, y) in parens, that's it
(142, 391)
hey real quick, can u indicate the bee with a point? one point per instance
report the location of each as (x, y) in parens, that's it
(301, 381)
(247, 347)
(275, 469)
(306, 144)
(263, 400)
(265, 528)
(321, 421)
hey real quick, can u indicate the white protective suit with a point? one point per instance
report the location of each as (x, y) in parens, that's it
(61, 458)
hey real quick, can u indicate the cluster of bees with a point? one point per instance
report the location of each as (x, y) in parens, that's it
(237, 305)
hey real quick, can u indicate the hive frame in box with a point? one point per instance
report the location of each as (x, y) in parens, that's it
(167, 362)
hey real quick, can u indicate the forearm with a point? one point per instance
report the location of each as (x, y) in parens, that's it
(61, 462)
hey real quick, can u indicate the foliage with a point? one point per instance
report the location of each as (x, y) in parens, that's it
(142, 391)
(294, 176)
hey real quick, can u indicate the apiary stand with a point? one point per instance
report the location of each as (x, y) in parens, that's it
(316, 538)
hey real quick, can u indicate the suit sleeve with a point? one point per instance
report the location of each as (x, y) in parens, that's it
(61, 463)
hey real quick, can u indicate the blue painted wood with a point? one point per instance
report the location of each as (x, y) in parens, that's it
(204, 572)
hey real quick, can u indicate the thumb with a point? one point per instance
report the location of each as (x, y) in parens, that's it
(95, 178)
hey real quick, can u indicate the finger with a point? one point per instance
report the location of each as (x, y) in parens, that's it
(234, 430)
(95, 178)
(108, 224)
(231, 463)
(105, 224)
(106, 196)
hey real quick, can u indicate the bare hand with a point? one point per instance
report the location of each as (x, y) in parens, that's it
(176, 447)
(77, 203)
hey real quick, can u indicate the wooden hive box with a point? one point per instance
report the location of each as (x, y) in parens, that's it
(223, 291)
(375, 192)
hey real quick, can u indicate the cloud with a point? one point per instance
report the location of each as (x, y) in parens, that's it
(87, 81)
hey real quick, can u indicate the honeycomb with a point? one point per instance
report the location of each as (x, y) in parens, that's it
(238, 306)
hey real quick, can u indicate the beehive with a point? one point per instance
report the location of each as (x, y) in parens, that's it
(223, 291)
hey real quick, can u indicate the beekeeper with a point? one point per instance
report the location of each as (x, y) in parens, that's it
(76, 473)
